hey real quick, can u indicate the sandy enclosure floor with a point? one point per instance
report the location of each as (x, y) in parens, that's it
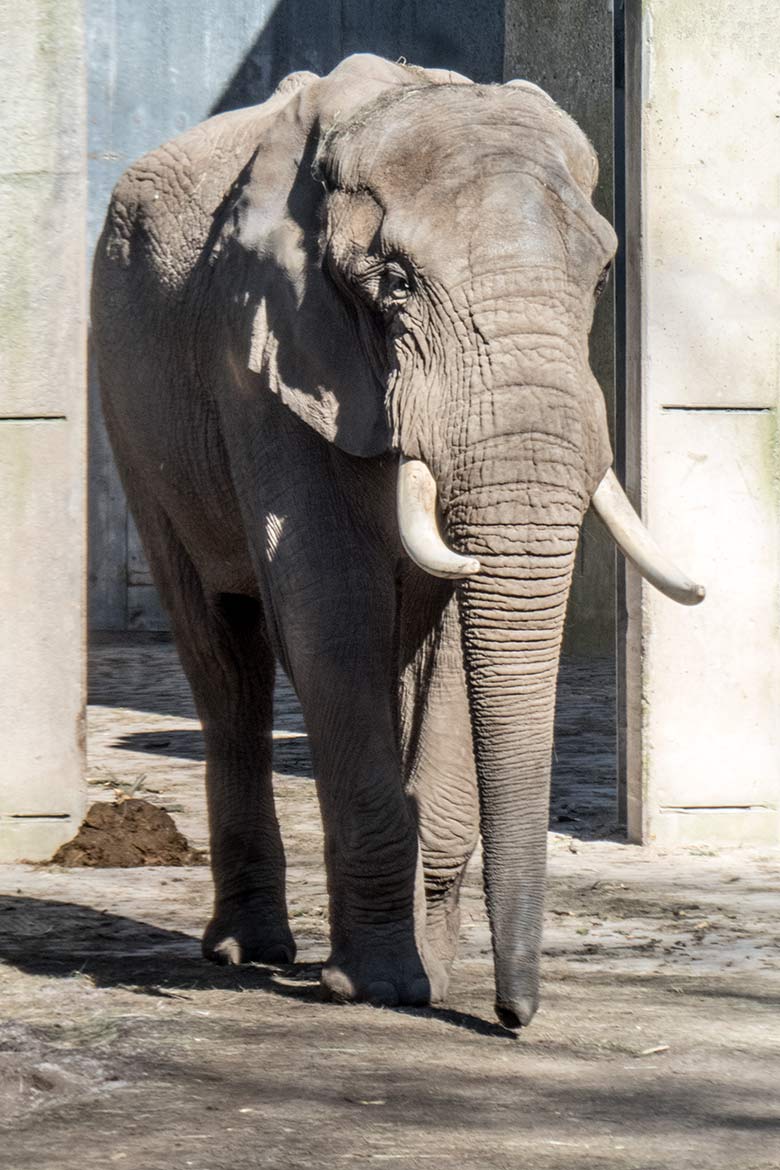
(657, 1045)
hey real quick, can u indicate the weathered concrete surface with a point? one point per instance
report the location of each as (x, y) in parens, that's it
(704, 750)
(42, 449)
(657, 1044)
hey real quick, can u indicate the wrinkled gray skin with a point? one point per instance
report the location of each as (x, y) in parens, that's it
(381, 261)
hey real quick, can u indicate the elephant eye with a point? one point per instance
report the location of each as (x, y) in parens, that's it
(396, 286)
(601, 283)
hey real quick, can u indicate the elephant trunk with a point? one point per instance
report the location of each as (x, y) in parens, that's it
(512, 616)
(513, 545)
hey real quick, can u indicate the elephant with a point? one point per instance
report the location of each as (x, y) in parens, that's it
(342, 346)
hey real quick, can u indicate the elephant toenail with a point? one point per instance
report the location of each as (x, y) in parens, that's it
(337, 986)
(227, 952)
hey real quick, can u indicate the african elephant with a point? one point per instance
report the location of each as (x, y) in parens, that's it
(375, 287)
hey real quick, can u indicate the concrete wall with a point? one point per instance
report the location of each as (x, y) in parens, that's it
(704, 342)
(42, 449)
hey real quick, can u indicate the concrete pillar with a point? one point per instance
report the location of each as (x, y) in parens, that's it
(704, 378)
(42, 447)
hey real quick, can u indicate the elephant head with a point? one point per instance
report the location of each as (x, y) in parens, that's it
(444, 258)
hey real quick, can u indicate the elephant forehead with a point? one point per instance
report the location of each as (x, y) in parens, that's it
(471, 224)
(502, 222)
(417, 136)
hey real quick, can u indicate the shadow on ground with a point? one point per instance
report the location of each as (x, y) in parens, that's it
(291, 756)
(62, 939)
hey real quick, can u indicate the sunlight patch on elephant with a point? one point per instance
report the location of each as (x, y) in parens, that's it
(274, 526)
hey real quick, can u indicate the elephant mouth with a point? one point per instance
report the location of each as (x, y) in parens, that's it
(420, 530)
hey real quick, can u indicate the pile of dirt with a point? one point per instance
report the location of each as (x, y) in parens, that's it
(127, 833)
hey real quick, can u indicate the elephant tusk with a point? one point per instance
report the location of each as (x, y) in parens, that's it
(418, 525)
(638, 546)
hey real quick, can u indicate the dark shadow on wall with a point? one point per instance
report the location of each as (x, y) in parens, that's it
(464, 35)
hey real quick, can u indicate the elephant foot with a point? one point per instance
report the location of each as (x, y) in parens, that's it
(374, 973)
(248, 933)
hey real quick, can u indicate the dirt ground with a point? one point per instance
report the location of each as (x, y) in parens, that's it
(657, 1046)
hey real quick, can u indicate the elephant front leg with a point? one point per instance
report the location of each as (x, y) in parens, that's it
(340, 658)
(439, 768)
(328, 579)
(371, 849)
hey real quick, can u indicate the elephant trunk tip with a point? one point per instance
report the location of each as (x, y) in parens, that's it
(516, 1013)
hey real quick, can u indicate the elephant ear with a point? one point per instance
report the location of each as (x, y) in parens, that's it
(303, 339)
